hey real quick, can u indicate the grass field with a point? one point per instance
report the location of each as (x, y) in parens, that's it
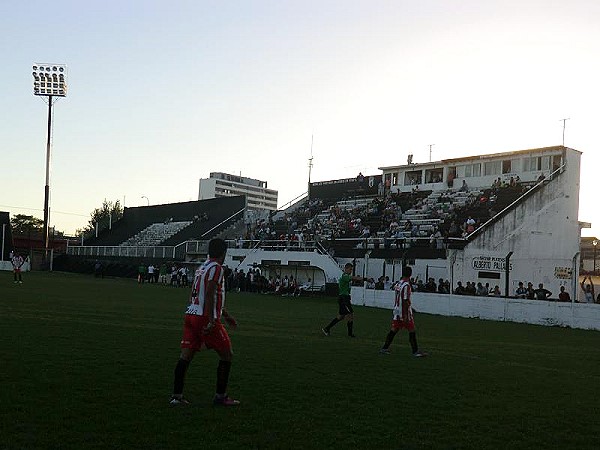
(88, 363)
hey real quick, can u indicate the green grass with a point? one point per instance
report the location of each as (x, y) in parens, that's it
(88, 364)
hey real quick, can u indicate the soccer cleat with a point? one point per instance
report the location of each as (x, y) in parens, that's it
(325, 332)
(176, 401)
(225, 401)
(385, 351)
(420, 354)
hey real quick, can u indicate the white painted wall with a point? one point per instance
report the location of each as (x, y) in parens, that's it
(575, 315)
(542, 232)
(7, 265)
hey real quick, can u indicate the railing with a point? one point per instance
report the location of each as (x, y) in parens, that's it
(223, 222)
(200, 247)
(127, 252)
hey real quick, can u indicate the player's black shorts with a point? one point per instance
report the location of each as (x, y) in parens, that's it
(345, 305)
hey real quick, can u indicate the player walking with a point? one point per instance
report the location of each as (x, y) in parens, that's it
(345, 306)
(403, 315)
(203, 328)
(17, 262)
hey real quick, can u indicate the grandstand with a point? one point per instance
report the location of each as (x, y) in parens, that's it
(447, 218)
(156, 233)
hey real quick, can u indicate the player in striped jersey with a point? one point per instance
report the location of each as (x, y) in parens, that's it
(17, 262)
(403, 315)
(203, 328)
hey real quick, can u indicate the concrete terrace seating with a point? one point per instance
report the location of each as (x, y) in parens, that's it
(155, 233)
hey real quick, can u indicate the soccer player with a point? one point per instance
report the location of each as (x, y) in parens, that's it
(17, 262)
(403, 315)
(203, 328)
(345, 306)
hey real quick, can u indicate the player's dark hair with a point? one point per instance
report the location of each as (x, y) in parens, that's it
(406, 271)
(217, 248)
(348, 265)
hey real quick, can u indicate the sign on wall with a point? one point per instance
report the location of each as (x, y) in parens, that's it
(563, 273)
(490, 263)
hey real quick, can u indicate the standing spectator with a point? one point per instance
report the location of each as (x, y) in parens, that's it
(496, 292)
(163, 273)
(564, 295)
(481, 291)
(588, 290)
(98, 272)
(150, 272)
(174, 273)
(460, 290)
(142, 273)
(541, 293)
(530, 291)
(521, 292)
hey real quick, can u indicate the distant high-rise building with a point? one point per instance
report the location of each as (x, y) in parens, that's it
(225, 185)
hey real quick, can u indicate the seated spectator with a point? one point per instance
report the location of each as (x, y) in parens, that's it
(464, 187)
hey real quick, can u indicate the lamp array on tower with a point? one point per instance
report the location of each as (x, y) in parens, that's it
(50, 79)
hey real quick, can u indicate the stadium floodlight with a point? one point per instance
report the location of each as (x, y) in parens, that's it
(49, 80)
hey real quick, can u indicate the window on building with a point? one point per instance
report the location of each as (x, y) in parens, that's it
(507, 166)
(492, 168)
(412, 178)
(556, 162)
(434, 175)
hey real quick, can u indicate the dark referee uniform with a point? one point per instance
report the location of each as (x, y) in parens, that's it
(344, 284)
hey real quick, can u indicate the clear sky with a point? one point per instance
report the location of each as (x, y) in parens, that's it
(161, 93)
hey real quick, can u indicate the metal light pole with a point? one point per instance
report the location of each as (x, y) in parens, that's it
(49, 80)
(595, 243)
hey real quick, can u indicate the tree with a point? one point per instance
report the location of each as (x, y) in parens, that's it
(23, 224)
(103, 216)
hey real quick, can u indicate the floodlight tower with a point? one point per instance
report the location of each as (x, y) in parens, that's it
(49, 80)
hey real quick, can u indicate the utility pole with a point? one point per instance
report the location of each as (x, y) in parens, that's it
(564, 121)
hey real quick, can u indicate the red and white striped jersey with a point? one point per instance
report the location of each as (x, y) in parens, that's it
(17, 261)
(402, 301)
(211, 270)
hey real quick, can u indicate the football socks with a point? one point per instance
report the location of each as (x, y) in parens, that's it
(180, 370)
(223, 376)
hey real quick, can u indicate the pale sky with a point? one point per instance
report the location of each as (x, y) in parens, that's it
(161, 93)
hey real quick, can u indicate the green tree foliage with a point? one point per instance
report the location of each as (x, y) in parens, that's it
(108, 212)
(23, 224)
